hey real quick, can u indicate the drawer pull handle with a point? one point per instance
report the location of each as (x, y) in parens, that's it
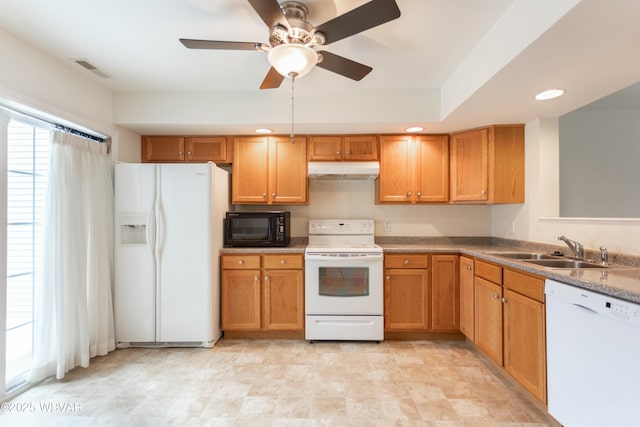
(283, 262)
(241, 262)
(406, 262)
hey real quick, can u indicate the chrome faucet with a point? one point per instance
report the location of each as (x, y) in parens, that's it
(604, 256)
(577, 248)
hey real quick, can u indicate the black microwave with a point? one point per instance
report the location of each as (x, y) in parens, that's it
(251, 229)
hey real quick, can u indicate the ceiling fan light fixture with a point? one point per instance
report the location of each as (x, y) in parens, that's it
(293, 59)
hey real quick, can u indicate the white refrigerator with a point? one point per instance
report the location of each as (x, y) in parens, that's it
(168, 235)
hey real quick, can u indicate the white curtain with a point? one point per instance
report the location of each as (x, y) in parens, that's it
(74, 312)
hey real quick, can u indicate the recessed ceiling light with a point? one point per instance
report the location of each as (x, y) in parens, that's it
(263, 130)
(549, 94)
(414, 129)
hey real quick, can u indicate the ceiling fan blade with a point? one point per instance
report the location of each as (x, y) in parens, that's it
(369, 15)
(343, 66)
(272, 80)
(224, 45)
(270, 12)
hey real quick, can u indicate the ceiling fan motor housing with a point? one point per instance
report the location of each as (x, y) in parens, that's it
(301, 31)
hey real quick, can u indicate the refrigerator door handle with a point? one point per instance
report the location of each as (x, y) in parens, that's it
(150, 231)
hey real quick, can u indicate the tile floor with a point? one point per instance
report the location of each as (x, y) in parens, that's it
(282, 383)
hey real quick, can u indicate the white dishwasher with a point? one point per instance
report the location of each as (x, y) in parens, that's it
(593, 358)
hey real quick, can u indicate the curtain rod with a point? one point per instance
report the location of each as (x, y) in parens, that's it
(56, 125)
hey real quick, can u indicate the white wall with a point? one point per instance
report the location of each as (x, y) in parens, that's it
(29, 78)
(537, 219)
(356, 199)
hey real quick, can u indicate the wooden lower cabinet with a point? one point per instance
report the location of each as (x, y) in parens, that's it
(421, 293)
(524, 332)
(262, 292)
(466, 297)
(445, 293)
(406, 292)
(510, 323)
(488, 318)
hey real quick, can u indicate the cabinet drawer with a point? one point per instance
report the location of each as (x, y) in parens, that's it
(406, 261)
(240, 262)
(491, 272)
(529, 286)
(283, 261)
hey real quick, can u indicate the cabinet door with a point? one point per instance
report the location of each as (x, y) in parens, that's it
(395, 182)
(324, 148)
(432, 168)
(445, 293)
(524, 342)
(283, 300)
(488, 318)
(360, 147)
(470, 166)
(162, 149)
(206, 149)
(240, 299)
(288, 177)
(406, 299)
(250, 178)
(466, 297)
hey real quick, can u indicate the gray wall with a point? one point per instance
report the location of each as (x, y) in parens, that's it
(600, 163)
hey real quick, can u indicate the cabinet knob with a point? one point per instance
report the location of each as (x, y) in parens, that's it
(495, 295)
(418, 194)
(241, 262)
(266, 278)
(337, 153)
(189, 152)
(409, 194)
(273, 194)
(180, 152)
(483, 192)
(388, 277)
(264, 194)
(256, 278)
(283, 261)
(348, 152)
(468, 268)
(504, 300)
(406, 262)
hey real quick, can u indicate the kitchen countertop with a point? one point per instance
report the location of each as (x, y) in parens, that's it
(620, 281)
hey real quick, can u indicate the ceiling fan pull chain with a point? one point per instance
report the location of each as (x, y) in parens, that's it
(293, 80)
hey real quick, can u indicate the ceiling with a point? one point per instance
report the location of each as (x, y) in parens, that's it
(445, 65)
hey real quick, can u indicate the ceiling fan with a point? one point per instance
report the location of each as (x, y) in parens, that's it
(292, 38)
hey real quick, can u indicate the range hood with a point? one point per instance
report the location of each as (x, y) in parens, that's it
(344, 170)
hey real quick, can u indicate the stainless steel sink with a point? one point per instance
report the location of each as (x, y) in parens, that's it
(522, 255)
(564, 263)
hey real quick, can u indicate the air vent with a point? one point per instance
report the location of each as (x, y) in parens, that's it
(89, 66)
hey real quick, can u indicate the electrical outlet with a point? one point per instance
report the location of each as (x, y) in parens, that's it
(387, 226)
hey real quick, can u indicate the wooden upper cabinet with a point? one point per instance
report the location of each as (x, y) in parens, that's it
(174, 149)
(432, 168)
(487, 165)
(360, 147)
(288, 182)
(338, 148)
(413, 169)
(163, 149)
(207, 149)
(470, 166)
(268, 170)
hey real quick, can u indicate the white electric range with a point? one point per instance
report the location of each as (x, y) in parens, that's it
(344, 297)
